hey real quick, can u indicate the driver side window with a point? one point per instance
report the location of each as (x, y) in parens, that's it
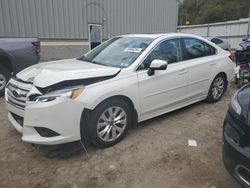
(168, 50)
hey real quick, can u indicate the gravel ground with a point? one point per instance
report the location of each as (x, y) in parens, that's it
(155, 154)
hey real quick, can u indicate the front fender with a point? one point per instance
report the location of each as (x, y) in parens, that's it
(94, 95)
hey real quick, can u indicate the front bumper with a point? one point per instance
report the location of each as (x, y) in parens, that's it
(235, 157)
(62, 116)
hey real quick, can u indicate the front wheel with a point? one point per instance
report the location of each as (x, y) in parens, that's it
(217, 89)
(109, 122)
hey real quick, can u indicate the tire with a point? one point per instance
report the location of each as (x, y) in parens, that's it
(240, 83)
(236, 80)
(5, 75)
(104, 131)
(217, 89)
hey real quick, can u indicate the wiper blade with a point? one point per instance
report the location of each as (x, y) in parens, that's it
(83, 58)
(95, 62)
(98, 63)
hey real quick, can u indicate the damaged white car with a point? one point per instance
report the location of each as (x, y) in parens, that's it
(125, 80)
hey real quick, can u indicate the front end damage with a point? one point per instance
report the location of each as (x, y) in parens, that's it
(51, 114)
(48, 123)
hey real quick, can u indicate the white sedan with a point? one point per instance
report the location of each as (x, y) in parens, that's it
(125, 80)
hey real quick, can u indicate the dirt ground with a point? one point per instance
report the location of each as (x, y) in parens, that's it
(155, 154)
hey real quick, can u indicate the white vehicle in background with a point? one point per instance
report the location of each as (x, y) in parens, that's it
(224, 44)
(127, 79)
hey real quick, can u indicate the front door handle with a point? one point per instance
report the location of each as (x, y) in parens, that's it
(184, 71)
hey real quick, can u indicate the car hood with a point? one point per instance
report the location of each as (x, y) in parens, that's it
(50, 73)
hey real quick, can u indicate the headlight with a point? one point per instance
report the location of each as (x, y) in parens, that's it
(235, 104)
(71, 93)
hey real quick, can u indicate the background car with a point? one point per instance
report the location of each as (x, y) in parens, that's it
(224, 44)
(245, 44)
(236, 137)
(16, 54)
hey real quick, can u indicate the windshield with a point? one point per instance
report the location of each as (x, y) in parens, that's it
(118, 52)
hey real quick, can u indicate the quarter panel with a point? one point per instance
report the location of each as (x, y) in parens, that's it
(201, 71)
(224, 65)
(22, 52)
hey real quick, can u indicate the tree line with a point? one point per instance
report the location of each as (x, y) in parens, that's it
(209, 11)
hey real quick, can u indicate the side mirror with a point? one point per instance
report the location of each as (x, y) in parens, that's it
(157, 65)
(244, 39)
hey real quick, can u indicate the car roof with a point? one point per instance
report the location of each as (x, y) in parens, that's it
(171, 35)
(165, 35)
(210, 38)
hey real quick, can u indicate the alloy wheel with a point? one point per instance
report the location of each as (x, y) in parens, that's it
(218, 88)
(111, 124)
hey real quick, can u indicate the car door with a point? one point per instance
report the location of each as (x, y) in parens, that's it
(202, 62)
(166, 88)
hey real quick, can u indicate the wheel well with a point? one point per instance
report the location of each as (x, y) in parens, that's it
(86, 115)
(122, 97)
(128, 101)
(5, 62)
(125, 99)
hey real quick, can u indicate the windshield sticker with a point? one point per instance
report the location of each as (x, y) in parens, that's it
(133, 50)
(124, 64)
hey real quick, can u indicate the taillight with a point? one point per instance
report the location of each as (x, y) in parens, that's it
(37, 45)
(232, 57)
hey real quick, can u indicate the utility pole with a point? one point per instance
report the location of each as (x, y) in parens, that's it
(248, 28)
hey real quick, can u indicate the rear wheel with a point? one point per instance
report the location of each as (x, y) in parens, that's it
(109, 122)
(5, 75)
(217, 89)
(240, 83)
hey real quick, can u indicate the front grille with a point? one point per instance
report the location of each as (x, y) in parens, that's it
(243, 173)
(17, 94)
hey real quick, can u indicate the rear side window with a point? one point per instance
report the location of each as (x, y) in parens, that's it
(195, 48)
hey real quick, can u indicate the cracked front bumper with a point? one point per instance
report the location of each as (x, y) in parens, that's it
(62, 116)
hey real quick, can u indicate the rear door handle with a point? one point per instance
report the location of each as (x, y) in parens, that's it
(213, 63)
(184, 71)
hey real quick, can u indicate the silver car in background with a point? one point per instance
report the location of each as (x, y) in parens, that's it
(224, 44)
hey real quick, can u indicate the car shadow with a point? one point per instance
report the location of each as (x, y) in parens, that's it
(162, 117)
(77, 148)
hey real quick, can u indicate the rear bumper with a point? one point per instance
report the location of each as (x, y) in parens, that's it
(236, 158)
(61, 116)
